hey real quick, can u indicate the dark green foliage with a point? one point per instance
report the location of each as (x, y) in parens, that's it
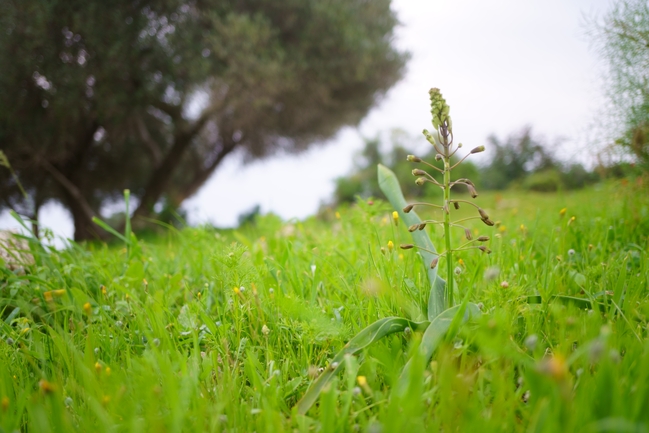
(544, 181)
(514, 159)
(362, 182)
(249, 216)
(527, 161)
(96, 96)
(575, 176)
(522, 160)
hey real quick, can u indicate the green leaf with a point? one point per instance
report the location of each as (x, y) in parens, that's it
(390, 186)
(14, 313)
(110, 230)
(578, 278)
(4, 161)
(367, 336)
(127, 215)
(434, 335)
(581, 303)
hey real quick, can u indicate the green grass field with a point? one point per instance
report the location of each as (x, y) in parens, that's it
(221, 330)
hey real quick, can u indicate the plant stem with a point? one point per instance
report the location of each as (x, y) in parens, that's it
(447, 231)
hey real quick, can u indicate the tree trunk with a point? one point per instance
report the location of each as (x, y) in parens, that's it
(84, 228)
(82, 212)
(201, 176)
(160, 178)
(67, 176)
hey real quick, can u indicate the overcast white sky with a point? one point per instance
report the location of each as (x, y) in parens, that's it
(501, 65)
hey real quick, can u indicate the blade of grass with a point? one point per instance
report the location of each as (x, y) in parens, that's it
(110, 230)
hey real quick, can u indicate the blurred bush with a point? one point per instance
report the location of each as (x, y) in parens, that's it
(362, 182)
(548, 180)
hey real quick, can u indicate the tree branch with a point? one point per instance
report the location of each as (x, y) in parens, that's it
(151, 144)
(159, 179)
(174, 111)
(201, 176)
(70, 188)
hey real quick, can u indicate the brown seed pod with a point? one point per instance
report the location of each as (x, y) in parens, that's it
(488, 222)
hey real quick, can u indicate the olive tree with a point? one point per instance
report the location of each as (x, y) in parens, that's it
(97, 96)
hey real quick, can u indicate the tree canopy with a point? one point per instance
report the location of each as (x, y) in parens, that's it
(622, 38)
(97, 96)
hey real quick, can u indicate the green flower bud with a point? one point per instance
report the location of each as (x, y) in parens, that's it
(439, 109)
(413, 158)
(420, 181)
(477, 149)
(418, 172)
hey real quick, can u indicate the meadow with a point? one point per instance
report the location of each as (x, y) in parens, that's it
(201, 329)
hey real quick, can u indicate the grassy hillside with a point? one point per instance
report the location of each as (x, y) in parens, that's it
(210, 330)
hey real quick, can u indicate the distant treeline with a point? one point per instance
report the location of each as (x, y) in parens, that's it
(522, 161)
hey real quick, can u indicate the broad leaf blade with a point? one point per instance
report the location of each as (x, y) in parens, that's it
(367, 336)
(390, 186)
(434, 335)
